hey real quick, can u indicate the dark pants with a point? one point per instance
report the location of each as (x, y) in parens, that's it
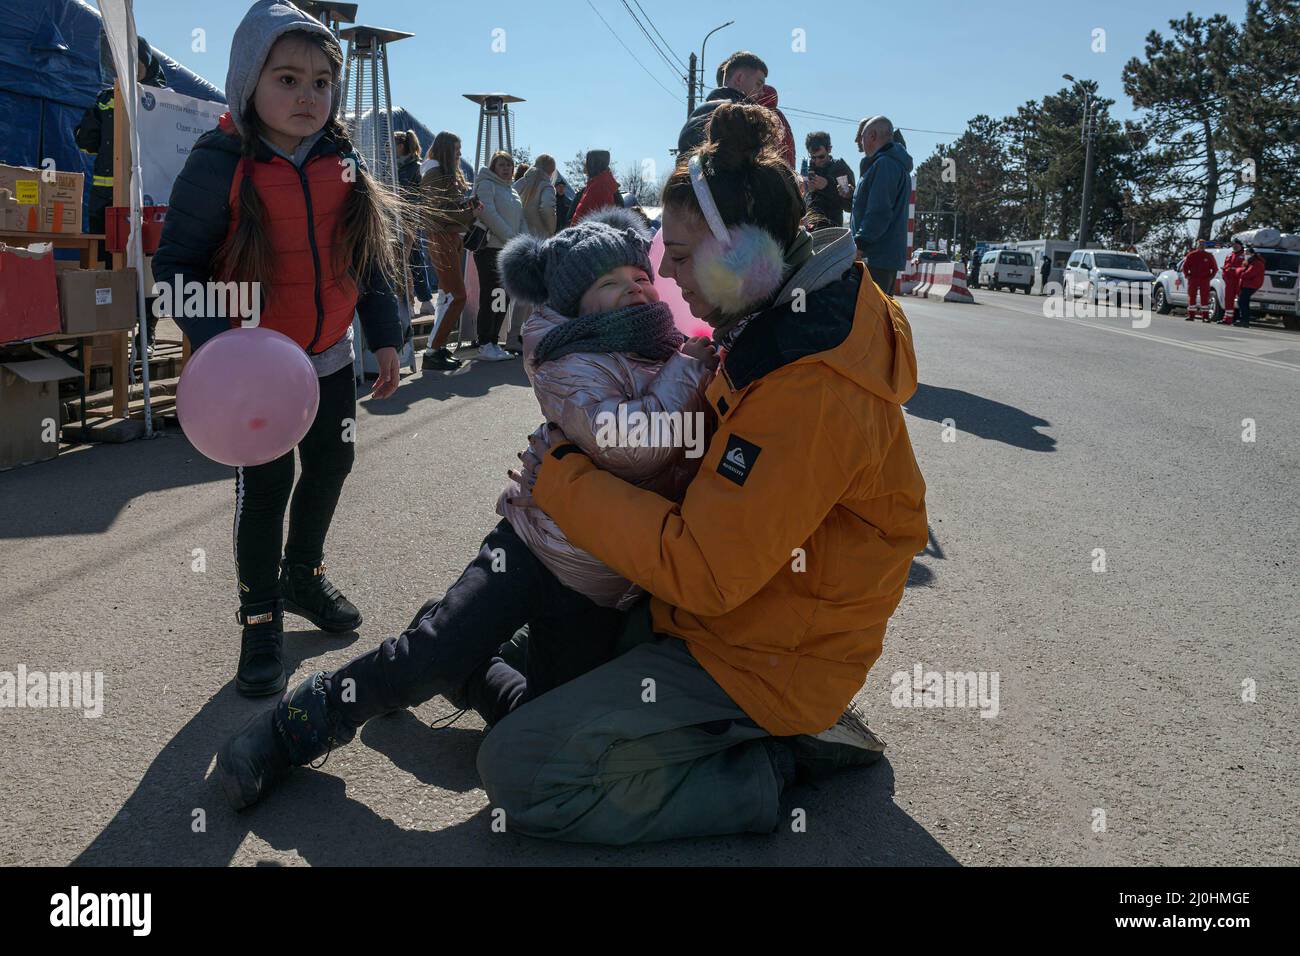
(451, 644)
(492, 305)
(883, 278)
(424, 291)
(262, 492)
(1243, 315)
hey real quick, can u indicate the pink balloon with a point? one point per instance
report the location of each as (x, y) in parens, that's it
(670, 294)
(247, 397)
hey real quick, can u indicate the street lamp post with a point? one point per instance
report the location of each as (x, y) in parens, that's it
(702, 46)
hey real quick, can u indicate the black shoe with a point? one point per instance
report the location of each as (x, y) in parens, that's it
(308, 593)
(440, 360)
(293, 733)
(849, 743)
(261, 668)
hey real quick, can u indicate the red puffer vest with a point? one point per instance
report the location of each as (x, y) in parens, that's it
(311, 298)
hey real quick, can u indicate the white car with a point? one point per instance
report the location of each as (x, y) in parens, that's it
(1006, 267)
(1277, 296)
(1092, 273)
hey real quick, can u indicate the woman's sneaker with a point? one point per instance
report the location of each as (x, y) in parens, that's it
(293, 733)
(493, 353)
(849, 743)
(440, 360)
(261, 665)
(308, 593)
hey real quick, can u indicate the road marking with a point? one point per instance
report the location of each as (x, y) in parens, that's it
(1192, 346)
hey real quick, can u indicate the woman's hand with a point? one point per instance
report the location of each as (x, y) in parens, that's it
(701, 349)
(386, 383)
(540, 442)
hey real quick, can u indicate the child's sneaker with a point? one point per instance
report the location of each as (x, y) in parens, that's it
(261, 667)
(308, 593)
(297, 730)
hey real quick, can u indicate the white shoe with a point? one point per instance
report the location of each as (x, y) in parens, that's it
(491, 352)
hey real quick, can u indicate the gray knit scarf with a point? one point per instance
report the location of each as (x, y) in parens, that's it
(647, 330)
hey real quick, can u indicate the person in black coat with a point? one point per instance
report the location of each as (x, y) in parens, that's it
(94, 133)
(825, 195)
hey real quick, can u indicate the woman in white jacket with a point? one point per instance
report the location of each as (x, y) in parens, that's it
(502, 215)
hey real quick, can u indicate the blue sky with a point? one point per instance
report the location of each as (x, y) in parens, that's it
(928, 66)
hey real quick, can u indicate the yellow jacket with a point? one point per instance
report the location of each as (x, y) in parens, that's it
(782, 564)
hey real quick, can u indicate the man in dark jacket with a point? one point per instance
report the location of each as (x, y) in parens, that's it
(95, 133)
(741, 77)
(825, 194)
(879, 216)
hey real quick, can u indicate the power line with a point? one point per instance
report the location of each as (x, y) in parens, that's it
(646, 34)
(680, 61)
(633, 55)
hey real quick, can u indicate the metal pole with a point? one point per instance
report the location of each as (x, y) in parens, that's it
(705, 44)
(690, 86)
(1089, 131)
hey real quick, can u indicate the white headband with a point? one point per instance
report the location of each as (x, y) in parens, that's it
(705, 199)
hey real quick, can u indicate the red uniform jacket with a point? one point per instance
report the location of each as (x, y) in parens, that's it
(1232, 265)
(1199, 266)
(1252, 274)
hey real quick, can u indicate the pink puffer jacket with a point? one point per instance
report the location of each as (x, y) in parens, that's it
(587, 392)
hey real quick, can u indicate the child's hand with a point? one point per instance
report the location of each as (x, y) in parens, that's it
(386, 383)
(701, 349)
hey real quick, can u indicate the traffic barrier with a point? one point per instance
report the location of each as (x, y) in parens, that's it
(938, 280)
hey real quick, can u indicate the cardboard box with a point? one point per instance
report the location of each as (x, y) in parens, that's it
(29, 410)
(61, 203)
(32, 200)
(92, 300)
(29, 300)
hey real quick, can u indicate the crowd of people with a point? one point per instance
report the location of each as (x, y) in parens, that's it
(746, 589)
(490, 206)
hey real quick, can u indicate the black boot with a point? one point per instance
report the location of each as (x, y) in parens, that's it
(308, 593)
(261, 669)
(297, 730)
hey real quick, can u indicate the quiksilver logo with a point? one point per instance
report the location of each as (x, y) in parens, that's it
(738, 460)
(103, 909)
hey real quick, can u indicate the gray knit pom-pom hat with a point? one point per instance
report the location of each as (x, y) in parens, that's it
(558, 271)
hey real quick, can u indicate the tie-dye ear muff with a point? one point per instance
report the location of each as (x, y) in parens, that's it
(736, 267)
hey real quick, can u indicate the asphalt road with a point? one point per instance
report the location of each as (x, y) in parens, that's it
(1120, 734)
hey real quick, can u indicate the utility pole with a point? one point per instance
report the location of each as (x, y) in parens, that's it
(1089, 134)
(690, 87)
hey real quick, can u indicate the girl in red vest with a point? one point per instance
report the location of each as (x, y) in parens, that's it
(275, 195)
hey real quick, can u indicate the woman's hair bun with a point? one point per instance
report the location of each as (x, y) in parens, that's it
(739, 134)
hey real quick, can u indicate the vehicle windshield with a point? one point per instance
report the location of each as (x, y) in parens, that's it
(1113, 260)
(1281, 261)
(1017, 259)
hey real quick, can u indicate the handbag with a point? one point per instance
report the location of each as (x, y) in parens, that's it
(477, 236)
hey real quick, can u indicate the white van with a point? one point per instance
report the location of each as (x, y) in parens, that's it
(1006, 267)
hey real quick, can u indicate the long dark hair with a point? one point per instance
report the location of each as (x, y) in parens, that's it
(749, 180)
(365, 238)
(443, 150)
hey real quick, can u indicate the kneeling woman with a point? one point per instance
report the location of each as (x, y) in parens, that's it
(774, 578)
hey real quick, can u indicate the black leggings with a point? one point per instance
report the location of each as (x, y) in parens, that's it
(490, 316)
(263, 491)
(450, 647)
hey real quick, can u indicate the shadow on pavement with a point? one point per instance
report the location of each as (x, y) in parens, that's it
(851, 819)
(981, 417)
(920, 575)
(83, 492)
(471, 379)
